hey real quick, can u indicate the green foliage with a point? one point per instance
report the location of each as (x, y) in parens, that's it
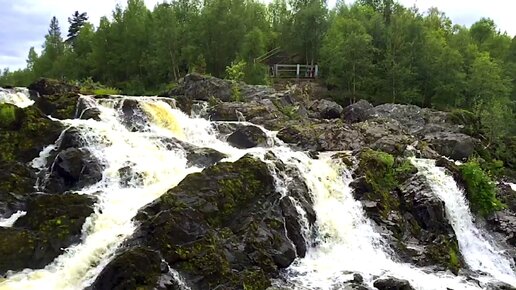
(481, 190)
(88, 86)
(235, 73)
(106, 91)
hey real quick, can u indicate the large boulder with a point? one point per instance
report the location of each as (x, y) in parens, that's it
(73, 168)
(327, 109)
(200, 87)
(56, 98)
(358, 112)
(50, 87)
(52, 223)
(222, 227)
(248, 137)
(261, 112)
(87, 108)
(409, 116)
(392, 283)
(457, 146)
(333, 135)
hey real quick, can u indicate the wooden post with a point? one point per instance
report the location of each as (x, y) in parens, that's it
(297, 71)
(276, 73)
(316, 71)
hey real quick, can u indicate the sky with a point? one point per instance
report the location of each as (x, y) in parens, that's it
(23, 23)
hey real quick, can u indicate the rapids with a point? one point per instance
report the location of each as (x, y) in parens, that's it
(344, 239)
(16, 96)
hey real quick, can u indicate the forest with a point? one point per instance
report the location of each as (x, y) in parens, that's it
(377, 50)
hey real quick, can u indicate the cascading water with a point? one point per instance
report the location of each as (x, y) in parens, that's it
(480, 253)
(345, 240)
(9, 221)
(16, 96)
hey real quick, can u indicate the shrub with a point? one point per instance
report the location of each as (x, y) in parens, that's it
(106, 91)
(481, 190)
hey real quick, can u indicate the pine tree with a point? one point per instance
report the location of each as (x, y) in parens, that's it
(77, 21)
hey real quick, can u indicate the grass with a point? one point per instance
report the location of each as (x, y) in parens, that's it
(106, 91)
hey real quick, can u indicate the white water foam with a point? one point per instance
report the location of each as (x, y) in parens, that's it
(478, 250)
(16, 96)
(9, 221)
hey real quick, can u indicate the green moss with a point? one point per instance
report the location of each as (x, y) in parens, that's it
(384, 173)
(32, 132)
(481, 190)
(7, 115)
(454, 262)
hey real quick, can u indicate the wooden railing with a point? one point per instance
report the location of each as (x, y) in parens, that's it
(294, 70)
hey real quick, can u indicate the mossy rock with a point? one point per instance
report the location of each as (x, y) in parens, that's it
(31, 131)
(52, 223)
(222, 227)
(384, 173)
(134, 268)
(16, 183)
(17, 247)
(58, 106)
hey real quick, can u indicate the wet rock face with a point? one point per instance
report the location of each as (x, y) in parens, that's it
(52, 223)
(73, 168)
(16, 182)
(195, 156)
(392, 284)
(248, 137)
(403, 206)
(136, 268)
(221, 227)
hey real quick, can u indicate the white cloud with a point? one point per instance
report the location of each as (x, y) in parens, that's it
(467, 12)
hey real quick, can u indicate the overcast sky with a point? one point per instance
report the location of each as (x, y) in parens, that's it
(23, 23)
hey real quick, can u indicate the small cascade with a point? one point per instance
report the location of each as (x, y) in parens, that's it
(9, 221)
(16, 96)
(346, 241)
(479, 251)
(162, 115)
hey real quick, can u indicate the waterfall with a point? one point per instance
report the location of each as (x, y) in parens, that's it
(9, 221)
(478, 250)
(16, 96)
(345, 240)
